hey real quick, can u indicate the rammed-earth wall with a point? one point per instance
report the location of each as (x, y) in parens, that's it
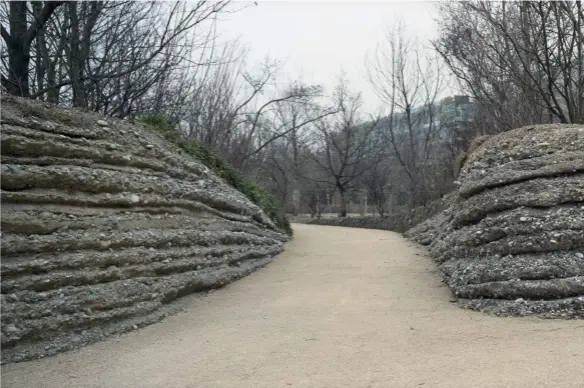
(103, 223)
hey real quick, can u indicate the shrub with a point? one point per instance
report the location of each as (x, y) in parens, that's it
(259, 196)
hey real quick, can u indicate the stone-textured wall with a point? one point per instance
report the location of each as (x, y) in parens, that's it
(104, 223)
(399, 222)
(513, 242)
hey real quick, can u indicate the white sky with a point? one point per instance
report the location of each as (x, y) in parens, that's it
(320, 39)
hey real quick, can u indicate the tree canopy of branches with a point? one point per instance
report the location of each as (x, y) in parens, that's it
(524, 61)
(104, 56)
(239, 114)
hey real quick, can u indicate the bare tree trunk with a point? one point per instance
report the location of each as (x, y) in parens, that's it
(42, 55)
(296, 201)
(75, 60)
(364, 209)
(54, 69)
(18, 42)
(343, 200)
(18, 51)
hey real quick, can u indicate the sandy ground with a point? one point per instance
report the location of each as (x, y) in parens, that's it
(340, 308)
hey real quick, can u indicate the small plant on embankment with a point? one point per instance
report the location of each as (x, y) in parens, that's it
(258, 195)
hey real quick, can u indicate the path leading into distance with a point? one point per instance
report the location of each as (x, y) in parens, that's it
(346, 308)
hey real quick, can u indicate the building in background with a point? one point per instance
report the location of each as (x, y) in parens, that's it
(456, 118)
(450, 115)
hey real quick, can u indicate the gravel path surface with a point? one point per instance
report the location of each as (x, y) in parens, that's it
(340, 308)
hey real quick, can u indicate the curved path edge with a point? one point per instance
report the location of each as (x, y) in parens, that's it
(339, 308)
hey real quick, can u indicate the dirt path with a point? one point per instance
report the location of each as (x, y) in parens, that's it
(343, 308)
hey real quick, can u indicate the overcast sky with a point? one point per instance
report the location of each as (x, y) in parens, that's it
(319, 39)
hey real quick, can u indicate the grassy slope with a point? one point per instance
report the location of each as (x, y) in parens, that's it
(256, 194)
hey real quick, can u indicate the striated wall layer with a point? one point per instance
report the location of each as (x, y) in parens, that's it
(513, 242)
(104, 223)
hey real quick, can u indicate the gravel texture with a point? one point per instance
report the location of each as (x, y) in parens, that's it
(104, 224)
(512, 242)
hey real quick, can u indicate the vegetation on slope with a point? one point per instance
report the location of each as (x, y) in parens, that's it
(259, 196)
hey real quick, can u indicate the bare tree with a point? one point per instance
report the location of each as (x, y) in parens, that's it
(377, 182)
(524, 62)
(282, 157)
(105, 56)
(341, 144)
(240, 113)
(19, 40)
(409, 86)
